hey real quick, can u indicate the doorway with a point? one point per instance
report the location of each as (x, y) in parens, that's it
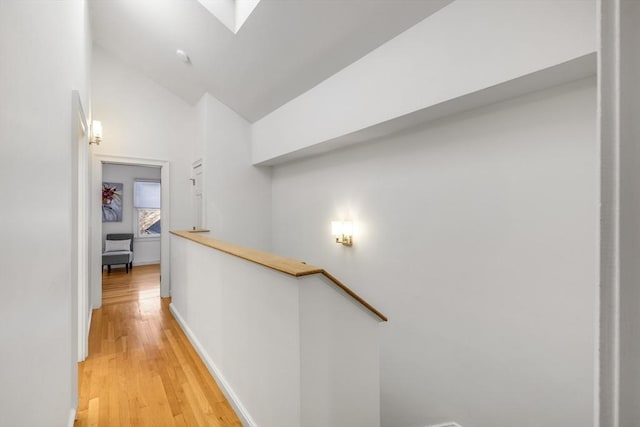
(147, 233)
(131, 231)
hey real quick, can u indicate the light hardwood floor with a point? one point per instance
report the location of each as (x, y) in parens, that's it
(141, 369)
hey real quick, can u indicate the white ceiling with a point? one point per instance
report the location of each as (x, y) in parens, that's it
(285, 47)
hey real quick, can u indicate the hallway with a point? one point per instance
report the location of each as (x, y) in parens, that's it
(141, 369)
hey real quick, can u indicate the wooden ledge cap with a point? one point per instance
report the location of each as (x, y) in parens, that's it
(275, 262)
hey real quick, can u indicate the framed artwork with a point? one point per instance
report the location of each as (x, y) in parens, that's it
(111, 202)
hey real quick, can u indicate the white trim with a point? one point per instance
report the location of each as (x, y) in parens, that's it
(83, 118)
(90, 316)
(607, 371)
(147, 180)
(80, 263)
(449, 424)
(203, 208)
(231, 396)
(146, 262)
(72, 417)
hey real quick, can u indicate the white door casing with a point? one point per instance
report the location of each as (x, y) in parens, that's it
(96, 221)
(197, 204)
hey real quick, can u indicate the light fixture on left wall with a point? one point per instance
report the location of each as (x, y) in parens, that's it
(96, 132)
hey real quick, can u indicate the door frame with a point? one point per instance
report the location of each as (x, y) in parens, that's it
(96, 221)
(203, 213)
(80, 227)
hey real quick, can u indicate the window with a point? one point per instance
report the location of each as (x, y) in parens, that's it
(146, 204)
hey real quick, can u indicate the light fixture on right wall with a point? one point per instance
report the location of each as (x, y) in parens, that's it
(343, 232)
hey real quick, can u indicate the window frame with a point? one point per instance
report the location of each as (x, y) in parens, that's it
(136, 212)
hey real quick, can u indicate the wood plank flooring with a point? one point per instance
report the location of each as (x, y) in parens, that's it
(141, 369)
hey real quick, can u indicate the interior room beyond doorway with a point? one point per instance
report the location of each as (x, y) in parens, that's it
(131, 218)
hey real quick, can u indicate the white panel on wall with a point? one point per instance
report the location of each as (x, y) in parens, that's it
(477, 236)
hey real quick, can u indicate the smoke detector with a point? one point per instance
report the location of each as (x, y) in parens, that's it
(183, 56)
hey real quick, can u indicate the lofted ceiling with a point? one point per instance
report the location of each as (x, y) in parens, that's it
(283, 49)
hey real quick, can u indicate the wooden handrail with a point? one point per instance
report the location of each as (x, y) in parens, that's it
(275, 262)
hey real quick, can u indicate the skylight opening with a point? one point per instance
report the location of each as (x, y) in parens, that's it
(232, 13)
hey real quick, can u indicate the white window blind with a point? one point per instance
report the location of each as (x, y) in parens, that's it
(146, 195)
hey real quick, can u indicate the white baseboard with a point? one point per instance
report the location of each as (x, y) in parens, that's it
(72, 417)
(86, 349)
(449, 424)
(231, 396)
(146, 262)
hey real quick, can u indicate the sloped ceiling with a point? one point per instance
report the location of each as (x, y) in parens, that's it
(285, 47)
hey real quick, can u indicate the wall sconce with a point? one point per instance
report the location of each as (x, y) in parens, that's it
(96, 132)
(343, 232)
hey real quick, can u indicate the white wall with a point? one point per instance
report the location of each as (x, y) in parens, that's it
(477, 236)
(237, 194)
(463, 48)
(229, 304)
(256, 327)
(146, 250)
(141, 119)
(339, 357)
(44, 50)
